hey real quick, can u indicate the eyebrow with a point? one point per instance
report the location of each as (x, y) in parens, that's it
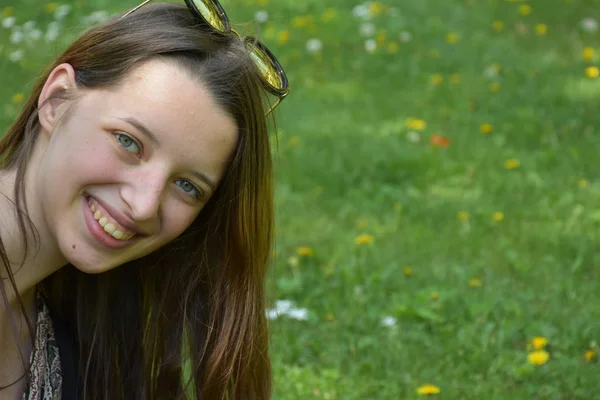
(150, 135)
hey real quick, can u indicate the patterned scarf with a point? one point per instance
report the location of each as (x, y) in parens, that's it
(45, 381)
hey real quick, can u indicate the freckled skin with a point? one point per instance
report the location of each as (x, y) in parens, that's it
(84, 156)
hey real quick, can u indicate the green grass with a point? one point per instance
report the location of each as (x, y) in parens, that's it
(345, 167)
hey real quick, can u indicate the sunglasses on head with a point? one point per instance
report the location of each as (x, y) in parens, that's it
(211, 12)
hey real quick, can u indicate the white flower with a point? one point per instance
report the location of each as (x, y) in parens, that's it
(272, 314)
(52, 32)
(16, 55)
(413, 137)
(491, 71)
(301, 314)
(8, 22)
(29, 25)
(370, 45)
(405, 36)
(361, 11)
(314, 46)
(95, 18)
(283, 306)
(367, 29)
(589, 25)
(389, 321)
(261, 16)
(17, 36)
(35, 34)
(62, 11)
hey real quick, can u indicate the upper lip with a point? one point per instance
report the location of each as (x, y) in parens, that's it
(119, 217)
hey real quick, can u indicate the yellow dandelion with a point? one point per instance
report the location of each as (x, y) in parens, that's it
(262, 2)
(50, 7)
(475, 282)
(588, 53)
(381, 36)
(328, 14)
(462, 216)
(392, 47)
(428, 390)
(455, 79)
(437, 79)
(434, 295)
(452, 38)
(330, 317)
(283, 36)
(592, 72)
(498, 216)
(301, 21)
(434, 53)
(538, 357)
(511, 163)
(407, 271)
(541, 29)
(375, 8)
(363, 239)
(293, 261)
(498, 26)
(305, 251)
(539, 342)
(416, 124)
(486, 128)
(582, 183)
(18, 98)
(8, 11)
(294, 141)
(495, 87)
(525, 9)
(590, 355)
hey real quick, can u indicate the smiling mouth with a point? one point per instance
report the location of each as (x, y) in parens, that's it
(105, 227)
(108, 223)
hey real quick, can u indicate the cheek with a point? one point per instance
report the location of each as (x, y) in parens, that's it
(176, 220)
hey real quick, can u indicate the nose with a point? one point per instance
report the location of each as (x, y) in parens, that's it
(143, 194)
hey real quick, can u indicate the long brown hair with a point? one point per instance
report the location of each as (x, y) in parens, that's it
(187, 321)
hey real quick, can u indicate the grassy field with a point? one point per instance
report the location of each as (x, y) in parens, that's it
(438, 185)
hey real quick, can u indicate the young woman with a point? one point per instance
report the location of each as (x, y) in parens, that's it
(136, 215)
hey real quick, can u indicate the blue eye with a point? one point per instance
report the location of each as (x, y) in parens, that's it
(189, 188)
(128, 143)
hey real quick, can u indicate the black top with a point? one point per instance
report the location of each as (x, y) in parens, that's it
(68, 358)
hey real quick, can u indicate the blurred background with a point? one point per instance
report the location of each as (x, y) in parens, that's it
(437, 189)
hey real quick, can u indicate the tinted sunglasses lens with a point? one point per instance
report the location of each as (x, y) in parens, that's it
(267, 67)
(213, 14)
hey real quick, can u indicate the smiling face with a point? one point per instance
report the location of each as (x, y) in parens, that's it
(143, 157)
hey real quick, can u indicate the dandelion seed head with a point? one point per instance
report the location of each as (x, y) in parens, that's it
(261, 16)
(8, 22)
(366, 29)
(370, 46)
(314, 46)
(589, 25)
(389, 321)
(16, 55)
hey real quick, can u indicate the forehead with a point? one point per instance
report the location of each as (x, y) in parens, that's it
(179, 110)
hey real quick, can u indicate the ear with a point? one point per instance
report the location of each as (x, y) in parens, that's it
(60, 82)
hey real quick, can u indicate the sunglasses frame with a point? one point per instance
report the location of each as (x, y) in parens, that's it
(249, 42)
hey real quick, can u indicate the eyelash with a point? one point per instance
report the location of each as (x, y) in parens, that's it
(199, 194)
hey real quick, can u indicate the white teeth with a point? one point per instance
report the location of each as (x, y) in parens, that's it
(108, 227)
